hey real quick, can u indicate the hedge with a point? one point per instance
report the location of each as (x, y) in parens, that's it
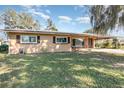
(4, 48)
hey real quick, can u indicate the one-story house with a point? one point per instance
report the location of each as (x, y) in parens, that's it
(34, 41)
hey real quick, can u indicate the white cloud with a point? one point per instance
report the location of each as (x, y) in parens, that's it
(32, 9)
(41, 14)
(64, 18)
(85, 20)
(48, 11)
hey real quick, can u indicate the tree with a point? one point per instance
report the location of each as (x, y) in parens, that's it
(27, 22)
(9, 18)
(13, 20)
(89, 31)
(107, 44)
(116, 43)
(51, 26)
(105, 19)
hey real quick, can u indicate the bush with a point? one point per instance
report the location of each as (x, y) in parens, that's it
(98, 45)
(116, 44)
(107, 44)
(4, 48)
(103, 44)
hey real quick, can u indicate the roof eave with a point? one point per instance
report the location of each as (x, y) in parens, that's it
(52, 33)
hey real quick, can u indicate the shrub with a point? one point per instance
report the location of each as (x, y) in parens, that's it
(107, 44)
(103, 44)
(116, 43)
(4, 48)
(98, 45)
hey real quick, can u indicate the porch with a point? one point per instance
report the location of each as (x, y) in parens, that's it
(79, 43)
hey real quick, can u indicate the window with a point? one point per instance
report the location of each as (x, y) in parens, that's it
(61, 40)
(28, 39)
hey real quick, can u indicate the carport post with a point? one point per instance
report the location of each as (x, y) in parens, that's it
(86, 42)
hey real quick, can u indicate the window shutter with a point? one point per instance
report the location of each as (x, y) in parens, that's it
(17, 38)
(38, 39)
(74, 41)
(54, 39)
(68, 39)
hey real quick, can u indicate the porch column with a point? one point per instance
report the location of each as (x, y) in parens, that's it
(86, 42)
(93, 42)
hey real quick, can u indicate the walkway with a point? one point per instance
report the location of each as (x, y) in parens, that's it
(118, 51)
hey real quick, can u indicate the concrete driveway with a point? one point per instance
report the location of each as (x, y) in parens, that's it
(117, 51)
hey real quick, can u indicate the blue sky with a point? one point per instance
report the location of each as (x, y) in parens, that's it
(67, 18)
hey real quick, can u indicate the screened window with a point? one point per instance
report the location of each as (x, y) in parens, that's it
(28, 39)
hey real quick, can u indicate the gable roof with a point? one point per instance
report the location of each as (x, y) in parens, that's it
(48, 32)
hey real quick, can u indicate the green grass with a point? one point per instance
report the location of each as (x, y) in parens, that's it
(62, 70)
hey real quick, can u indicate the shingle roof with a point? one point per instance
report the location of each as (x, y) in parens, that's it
(51, 32)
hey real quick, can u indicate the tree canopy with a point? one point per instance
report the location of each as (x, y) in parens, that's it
(13, 20)
(106, 18)
(51, 26)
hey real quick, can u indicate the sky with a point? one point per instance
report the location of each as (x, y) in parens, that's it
(67, 18)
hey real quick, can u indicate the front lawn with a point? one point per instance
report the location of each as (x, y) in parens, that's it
(62, 70)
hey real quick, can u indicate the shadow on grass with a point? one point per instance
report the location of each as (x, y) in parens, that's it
(63, 70)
